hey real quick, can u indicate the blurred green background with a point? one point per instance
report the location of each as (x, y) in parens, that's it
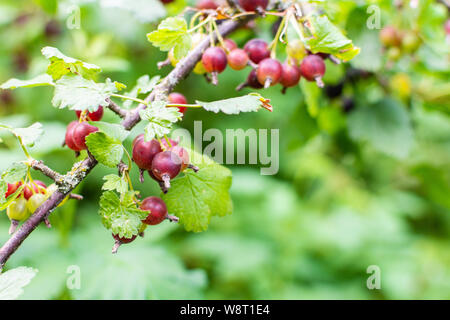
(364, 173)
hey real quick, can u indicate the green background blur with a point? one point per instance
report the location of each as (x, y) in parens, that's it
(360, 187)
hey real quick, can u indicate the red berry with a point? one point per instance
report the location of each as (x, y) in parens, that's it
(167, 1)
(157, 208)
(166, 144)
(123, 239)
(269, 72)
(313, 68)
(390, 37)
(166, 165)
(38, 187)
(252, 80)
(229, 44)
(144, 152)
(137, 138)
(69, 136)
(257, 50)
(182, 154)
(447, 26)
(290, 75)
(92, 116)
(80, 132)
(178, 98)
(12, 187)
(237, 59)
(206, 4)
(252, 5)
(214, 59)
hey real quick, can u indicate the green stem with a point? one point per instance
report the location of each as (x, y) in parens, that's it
(184, 105)
(201, 24)
(219, 36)
(129, 98)
(24, 149)
(274, 43)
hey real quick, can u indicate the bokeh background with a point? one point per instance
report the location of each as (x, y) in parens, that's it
(363, 180)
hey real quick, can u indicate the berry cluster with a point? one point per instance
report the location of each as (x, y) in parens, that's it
(77, 131)
(398, 42)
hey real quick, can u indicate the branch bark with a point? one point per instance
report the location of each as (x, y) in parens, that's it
(81, 169)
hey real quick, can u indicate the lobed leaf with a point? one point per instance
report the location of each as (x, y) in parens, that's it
(40, 80)
(249, 103)
(107, 150)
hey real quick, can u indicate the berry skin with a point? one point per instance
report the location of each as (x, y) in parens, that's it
(166, 165)
(92, 116)
(296, 49)
(157, 209)
(12, 187)
(17, 210)
(252, 80)
(178, 98)
(269, 72)
(182, 154)
(206, 4)
(38, 187)
(69, 136)
(290, 75)
(394, 53)
(80, 132)
(214, 59)
(35, 202)
(257, 50)
(390, 37)
(121, 240)
(313, 68)
(411, 42)
(447, 27)
(237, 59)
(229, 45)
(145, 151)
(167, 1)
(252, 5)
(165, 144)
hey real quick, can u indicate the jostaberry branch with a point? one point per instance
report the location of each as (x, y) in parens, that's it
(81, 169)
(40, 166)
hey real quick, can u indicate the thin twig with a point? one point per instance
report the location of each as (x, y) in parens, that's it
(40, 166)
(116, 109)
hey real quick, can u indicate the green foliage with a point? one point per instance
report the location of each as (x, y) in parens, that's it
(249, 103)
(41, 80)
(107, 150)
(13, 281)
(160, 119)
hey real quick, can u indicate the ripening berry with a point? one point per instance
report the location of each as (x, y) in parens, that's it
(253, 5)
(178, 98)
(290, 75)
(121, 240)
(296, 49)
(229, 44)
(168, 143)
(252, 80)
(92, 116)
(390, 37)
(145, 151)
(313, 68)
(12, 187)
(69, 136)
(237, 59)
(157, 209)
(17, 210)
(394, 53)
(182, 154)
(411, 42)
(166, 165)
(214, 59)
(269, 72)
(206, 4)
(80, 132)
(33, 188)
(35, 202)
(257, 50)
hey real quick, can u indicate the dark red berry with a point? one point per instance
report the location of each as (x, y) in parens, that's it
(166, 165)
(157, 208)
(269, 72)
(178, 98)
(69, 136)
(252, 80)
(257, 50)
(32, 188)
(145, 151)
(290, 75)
(253, 5)
(206, 4)
(92, 116)
(167, 1)
(12, 187)
(80, 132)
(137, 138)
(237, 59)
(313, 68)
(229, 44)
(121, 240)
(214, 59)
(182, 154)
(52, 29)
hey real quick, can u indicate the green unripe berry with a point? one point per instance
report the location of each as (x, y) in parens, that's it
(18, 210)
(35, 202)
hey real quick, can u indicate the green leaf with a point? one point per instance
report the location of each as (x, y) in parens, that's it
(312, 95)
(196, 197)
(29, 134)
(327, 38)
(114, 182)
(160, 119)
(172, 33)
(122, 217)
(385, 125)
(144, 10)
(13, 281)
(144, 85)
(76, 93)
(107, 150)
(3, 189)
(112, 130)
(15, 172)
(61, 64)
(249, 103)
(40, 80)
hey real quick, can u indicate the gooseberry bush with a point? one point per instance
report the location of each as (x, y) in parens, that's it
(193, 187)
